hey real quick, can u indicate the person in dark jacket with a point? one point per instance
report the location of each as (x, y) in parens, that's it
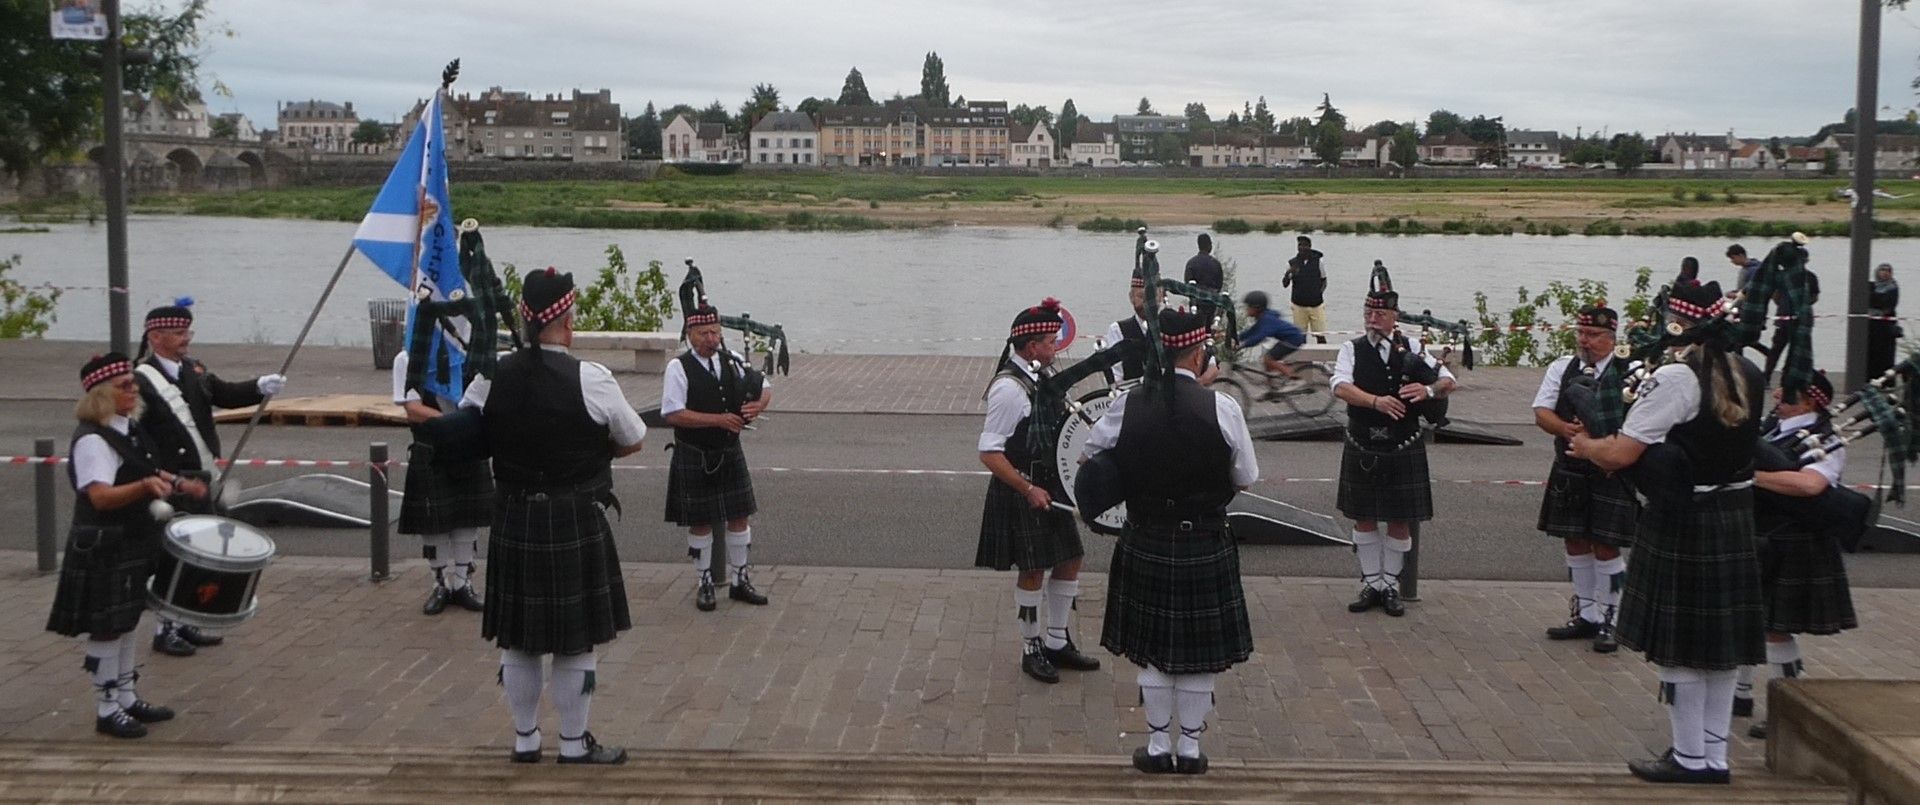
(1204, 270)
(1883, 324)
(1308, 279)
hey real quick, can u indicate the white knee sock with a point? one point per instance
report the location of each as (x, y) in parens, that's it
(1718, 716)
(437, 548)
(520, 674)
(1783, 660)
(700, 550)
(466, 543)
(1393, 559)
(1685, 690)
(1609, 578)
(1027, 605)
(1366, 546)
(103, 666)
(129, 669)
(1743, 682)
(737, 544)
(1060, 597)
(1580, 573)
(1156, 698)
(1195, 694)
(572, 692)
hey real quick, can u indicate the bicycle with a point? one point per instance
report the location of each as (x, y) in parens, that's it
(1308, 392)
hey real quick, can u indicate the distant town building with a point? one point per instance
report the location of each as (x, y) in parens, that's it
(784, 138)
(1891, 151)
(1358, 148)
(1533, 149)
(1452, 148)
(1697, 151)
(179, 117)
(241, 125)
(1227, 149)
(1031, 146)
(321, 126)
(685, 139)
(1095, 145)
(502, 124)
(1139, 134)
(1754, 156)
(913, 132)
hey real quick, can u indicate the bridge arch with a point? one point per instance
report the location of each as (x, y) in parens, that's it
(187, 167)
(256, 167)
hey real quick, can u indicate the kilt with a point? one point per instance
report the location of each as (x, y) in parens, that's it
(1804, 581)
(1394, 487)
(708, 486)
(103, 581)
(1693, 596)
(439, 498)
(1014, 535)
(1584, 503)
(1174, 600)
(553, 576)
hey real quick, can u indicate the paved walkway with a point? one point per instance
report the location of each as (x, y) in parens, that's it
(857, 660)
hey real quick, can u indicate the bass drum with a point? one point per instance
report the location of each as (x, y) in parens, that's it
(207, 574)
(1073, 438)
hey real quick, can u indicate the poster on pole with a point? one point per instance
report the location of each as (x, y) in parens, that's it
(78, 19)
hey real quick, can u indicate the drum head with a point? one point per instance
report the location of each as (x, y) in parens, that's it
(218, 543)
(1073, 438)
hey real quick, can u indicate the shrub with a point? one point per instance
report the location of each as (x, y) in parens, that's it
(1232, 226)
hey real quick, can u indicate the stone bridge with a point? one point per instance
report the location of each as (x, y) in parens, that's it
(169, 163)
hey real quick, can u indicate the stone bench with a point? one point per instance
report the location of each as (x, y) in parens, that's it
(650, 351)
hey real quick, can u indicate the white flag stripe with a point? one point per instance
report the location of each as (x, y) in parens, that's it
(388, 227)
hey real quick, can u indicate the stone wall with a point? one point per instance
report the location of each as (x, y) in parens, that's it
(325, 171)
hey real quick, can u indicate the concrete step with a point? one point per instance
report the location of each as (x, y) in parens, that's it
(106, 771)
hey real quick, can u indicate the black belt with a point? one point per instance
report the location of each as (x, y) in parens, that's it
(1210, 521)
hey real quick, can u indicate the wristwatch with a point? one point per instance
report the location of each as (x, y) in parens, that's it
(1430, 394)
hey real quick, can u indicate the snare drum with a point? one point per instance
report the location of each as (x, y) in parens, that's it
(207, 573)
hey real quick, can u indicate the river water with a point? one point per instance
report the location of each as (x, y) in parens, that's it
(948, 291)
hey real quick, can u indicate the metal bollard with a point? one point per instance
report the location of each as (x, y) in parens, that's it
(378, 521)
(1410, 573)
(43, 504)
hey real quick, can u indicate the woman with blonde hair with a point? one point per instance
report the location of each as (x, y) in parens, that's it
(111, 545)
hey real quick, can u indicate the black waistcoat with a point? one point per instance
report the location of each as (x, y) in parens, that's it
(710, 395)
(1375, 376)
(1035, 464)
(136, 462)
(537, 423)
(171, 445)
(1564, 409)
(1716, 453)
(1134, 365)
(1174, 461)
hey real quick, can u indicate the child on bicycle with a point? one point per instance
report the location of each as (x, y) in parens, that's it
(1264, 323)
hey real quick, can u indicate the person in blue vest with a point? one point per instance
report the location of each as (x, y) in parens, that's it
(1263, 322)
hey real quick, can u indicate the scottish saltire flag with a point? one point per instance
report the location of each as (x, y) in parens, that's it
(409, 234)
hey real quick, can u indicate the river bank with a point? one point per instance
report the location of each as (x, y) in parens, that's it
(835, 202)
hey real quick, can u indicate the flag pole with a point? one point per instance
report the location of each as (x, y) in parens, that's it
(234, 457)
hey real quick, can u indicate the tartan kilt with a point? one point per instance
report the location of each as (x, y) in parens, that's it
(1693, 596)
(1174, 600)
(103, 581)
(1804, 580)
(1394, 487)
(438, 498)
(1588, 504)
(697, 497)
(553, 576)
(1014, 535)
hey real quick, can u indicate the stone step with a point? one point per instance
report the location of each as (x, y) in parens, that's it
(170, 772)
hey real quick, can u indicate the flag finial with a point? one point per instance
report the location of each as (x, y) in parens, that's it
(450, 75)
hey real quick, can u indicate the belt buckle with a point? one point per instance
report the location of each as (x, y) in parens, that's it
(1186, 525)
(538, 497)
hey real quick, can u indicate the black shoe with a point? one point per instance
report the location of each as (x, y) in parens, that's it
(596, 754)
(742, 590)
(1576, 628)
(1604, 642)
(1369, 598)
(1069, 658)
(147, 712)
(120, 725)
(1742, 707)
(1152, 763)
(1664, 769)
(530, 755)
(170, 643)
(1036, 665)
(192, 634)
(1758, 731)
(1390, 601)
(703, 595)
(1190, 765)
(436, 601)
(466, 599)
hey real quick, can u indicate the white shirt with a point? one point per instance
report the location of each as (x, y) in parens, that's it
(606, 404)
(172, 368)
(1343, 365)
(94, 461)
(1227, 414)
(673, 391)
(1667, 399)
(1829, 466)
(1007, 404)
(1115, 336)
(1549, 395)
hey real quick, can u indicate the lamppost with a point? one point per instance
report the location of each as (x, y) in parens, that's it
(1859, 271)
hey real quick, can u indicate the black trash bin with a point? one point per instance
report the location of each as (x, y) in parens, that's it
(388, 318)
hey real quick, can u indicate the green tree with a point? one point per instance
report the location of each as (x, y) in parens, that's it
(1294, 127)
(643, 133)
(50, 93)
(615, 301)
(1405, 149)
(1329, 114)
(1329, 141)
(1170, 149)
(1146, 107)
(223, 128)
(1197, 119)
(853, 91)
(1629, 151)
(1588, 152)
(763, 101)
(1384, 128)
(24, 311)
(1069, 124)
(1441, 123)
(1262, 117)
(715, 112)
(933, 81)
(810, 106)
(369, 132)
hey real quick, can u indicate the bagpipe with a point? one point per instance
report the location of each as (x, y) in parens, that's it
(459, 437)
(1404, 366)
(750, 382)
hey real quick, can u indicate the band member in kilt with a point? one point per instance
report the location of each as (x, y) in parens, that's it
(1593, 511)
(1802, 576)
(1020, 527)
(1133, 328)
(1693, 603)
(446, 502)
(1174, 603)
(113, 541)
(1383, 471)
(554, 424)
(703, 399)
(177, 396)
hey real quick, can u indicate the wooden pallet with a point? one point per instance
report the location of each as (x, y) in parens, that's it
(332, 410)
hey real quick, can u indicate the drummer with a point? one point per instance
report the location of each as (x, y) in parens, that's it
(113, 540)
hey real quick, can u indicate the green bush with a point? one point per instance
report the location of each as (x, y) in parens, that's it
(1702, 195)
(1232, 226)
(615, 301)
(24, 312)
(1101, 223)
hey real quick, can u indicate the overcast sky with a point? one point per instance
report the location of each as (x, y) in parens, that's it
(1759, 67)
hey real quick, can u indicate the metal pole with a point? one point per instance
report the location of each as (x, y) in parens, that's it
(377, 517)
(1410, 572)
(43, 505)
(112, 186)
(1860, 270)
